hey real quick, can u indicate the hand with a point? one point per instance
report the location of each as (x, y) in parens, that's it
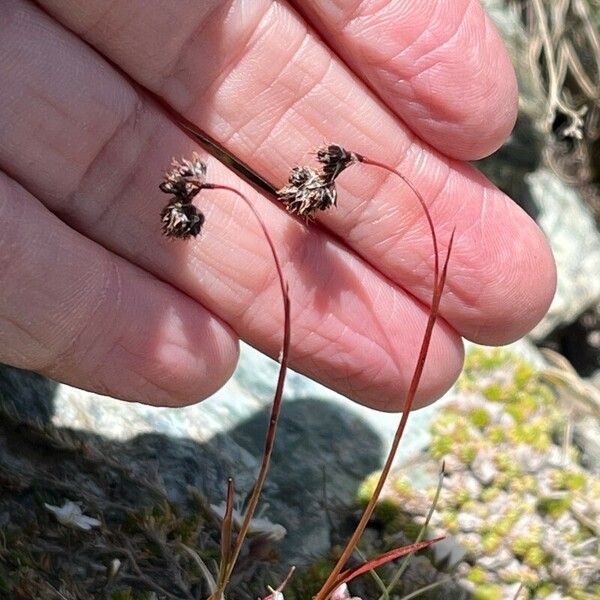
(93, 295)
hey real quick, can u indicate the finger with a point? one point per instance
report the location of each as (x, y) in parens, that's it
(440, 66)
(224, 68)
(101, 149)
(75, 312)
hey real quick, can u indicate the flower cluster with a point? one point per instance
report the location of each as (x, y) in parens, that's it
(309, 190)
(180, 218)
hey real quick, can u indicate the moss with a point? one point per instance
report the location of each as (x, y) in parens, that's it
(479, 359)
(187, 528)
(467, 453)
(496, 434)
(533, 432)
(568, 480)
(518, 412)
(494, 392)
(502, 527)
(406, 524)
(450, 521)
(489, 493)
(477, 575)
(523, 374)
(463, 431)
(554, 507)
(441, 446)
(122, 594)
(535, 557)
(487, 591)
(461, 498)
(308, 582)
(522, 484)
(403, 487)
(366, 488)
(545, 589)
(520, 545)
(491, 542)
(505, 463)
(387, 510)
(480, 417)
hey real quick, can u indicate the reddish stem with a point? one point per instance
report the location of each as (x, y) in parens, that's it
(438, 286)
(277, 399)
(415, 191)
(226, 531)
(350, 574)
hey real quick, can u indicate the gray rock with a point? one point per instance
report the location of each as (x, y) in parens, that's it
(575, 241)
(484, 468)
(586, 436)
(517, 168)
(468, 522)
(326, 445)
(495, 561)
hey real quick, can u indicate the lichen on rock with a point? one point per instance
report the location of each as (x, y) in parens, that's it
(515, 497)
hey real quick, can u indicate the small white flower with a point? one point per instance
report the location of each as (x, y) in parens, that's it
(341, 593)
(114, 567)
(70, 514)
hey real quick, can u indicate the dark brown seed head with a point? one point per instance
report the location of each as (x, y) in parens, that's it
(307, 192)
(335, 159)
(185, 179)
(181, 220)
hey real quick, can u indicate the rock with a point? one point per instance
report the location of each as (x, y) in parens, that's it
(496, 561)
(518, 169)
(586, 436)
(484, 468)
(469, 523)
(575, 241)
(326, 444)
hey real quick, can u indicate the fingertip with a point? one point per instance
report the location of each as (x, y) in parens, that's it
(492, 106)
(503, 274)
(196, 355)
(524, 294)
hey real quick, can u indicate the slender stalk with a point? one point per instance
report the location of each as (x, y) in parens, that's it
(415, 191)
(438, 286)
(374, 563)
(427, 588)
(422, 531)
(277, 399)
(326, 590)
(226, 542)
(274, 592)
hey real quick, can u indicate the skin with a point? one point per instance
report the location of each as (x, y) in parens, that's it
(96, 297)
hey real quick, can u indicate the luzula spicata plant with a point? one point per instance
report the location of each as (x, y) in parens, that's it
(308, 191)
(181, 219)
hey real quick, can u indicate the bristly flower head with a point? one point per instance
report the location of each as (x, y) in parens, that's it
(181, 219)
(307, 191)
(185, 179)
(335, 159)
